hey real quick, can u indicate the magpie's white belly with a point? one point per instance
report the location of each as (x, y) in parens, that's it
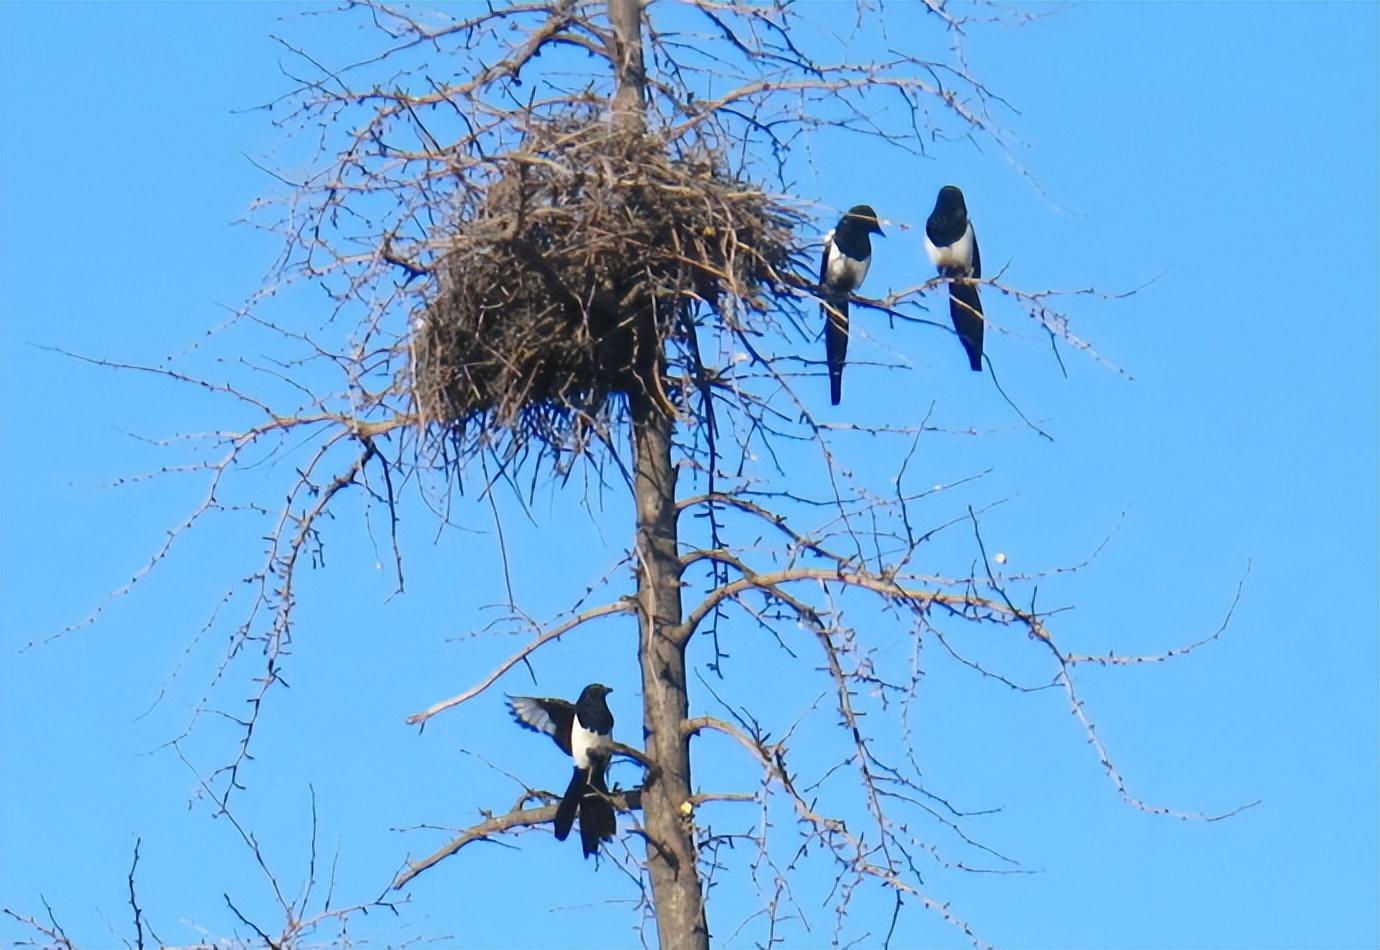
(582, 741)
(843, 272)
(958, 255)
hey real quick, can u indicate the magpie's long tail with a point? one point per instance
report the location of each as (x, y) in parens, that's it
(966, 311)
(597, 819)
(565, 812)
(835, 313)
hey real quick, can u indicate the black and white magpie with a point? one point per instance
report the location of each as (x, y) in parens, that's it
(584, 731)
(842, 269)
(953, 248)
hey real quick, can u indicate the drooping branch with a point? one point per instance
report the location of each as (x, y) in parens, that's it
(849, 850)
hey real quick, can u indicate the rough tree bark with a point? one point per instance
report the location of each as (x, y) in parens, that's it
(671, 857)
(672, 861)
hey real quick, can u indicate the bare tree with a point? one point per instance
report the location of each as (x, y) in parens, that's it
(559, 239)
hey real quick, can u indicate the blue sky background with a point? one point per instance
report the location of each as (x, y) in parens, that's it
(1230, 151)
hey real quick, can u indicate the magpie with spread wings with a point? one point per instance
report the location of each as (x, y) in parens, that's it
(584, 731)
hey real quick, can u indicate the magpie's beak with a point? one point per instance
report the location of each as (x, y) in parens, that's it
(877, 229)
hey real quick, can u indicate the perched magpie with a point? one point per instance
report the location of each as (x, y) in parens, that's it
(953, 247)
(583, 731)
(842, 269)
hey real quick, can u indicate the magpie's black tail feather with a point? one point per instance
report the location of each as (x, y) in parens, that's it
(597, 819)
(565, 812)
(966, 311)
(835, 344)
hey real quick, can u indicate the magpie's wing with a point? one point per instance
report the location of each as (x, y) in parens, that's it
(553, 717)
(965, 309)
(835, 312)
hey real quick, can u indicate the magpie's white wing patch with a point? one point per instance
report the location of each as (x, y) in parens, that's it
(530, 712)
(842, 272)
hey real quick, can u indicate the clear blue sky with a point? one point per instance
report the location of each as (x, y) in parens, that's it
(1228, 150)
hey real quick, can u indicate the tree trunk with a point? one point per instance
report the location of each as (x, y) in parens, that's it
(672, 862)
(626, 18)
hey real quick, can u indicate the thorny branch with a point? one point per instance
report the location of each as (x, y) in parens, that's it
(52, 931)
(303, 921)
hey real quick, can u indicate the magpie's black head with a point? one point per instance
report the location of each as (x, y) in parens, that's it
(594, 691)
(861, 218)
(591, 711)
(950, 202)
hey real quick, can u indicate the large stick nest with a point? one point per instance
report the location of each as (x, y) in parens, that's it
(571, 268)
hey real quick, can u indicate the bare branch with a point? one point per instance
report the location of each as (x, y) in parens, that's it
(514, 820)
(547, 636)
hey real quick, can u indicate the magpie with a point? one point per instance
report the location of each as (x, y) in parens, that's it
(584, 731)
(953, 248)
(842, 269)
